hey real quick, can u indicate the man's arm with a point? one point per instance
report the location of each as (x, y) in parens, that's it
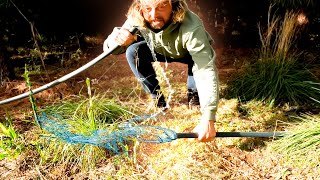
(206, 78)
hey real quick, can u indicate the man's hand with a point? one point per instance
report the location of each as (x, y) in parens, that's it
(206, 130)
(121, 37)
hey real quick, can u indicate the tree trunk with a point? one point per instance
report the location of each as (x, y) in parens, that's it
(3, 68)
(6, 69)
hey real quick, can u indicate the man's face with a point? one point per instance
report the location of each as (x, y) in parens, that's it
(156, 14)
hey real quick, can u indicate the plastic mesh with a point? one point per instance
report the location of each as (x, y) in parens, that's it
(111, 140)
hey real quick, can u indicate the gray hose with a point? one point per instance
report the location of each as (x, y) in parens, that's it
(65, 77)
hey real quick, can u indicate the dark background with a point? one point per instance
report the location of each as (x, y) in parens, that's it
(232, 24)
(61, 18)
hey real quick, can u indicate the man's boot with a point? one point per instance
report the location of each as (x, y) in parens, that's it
(193, 98)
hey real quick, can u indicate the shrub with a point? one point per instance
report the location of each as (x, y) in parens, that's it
(278, 76)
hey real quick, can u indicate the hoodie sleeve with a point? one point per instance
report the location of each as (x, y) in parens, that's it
(198, 43)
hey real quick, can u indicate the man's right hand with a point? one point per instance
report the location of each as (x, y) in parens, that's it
(121, 36)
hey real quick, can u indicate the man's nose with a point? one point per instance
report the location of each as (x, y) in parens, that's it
(153, 13)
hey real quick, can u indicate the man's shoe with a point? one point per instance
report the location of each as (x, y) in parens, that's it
(161, 102)
(193, 97)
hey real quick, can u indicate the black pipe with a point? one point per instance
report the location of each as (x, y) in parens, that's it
(236, 134)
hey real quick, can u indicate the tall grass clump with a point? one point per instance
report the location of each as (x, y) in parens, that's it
(301, 147)
(294, 3)
(279, 75)
(83, 116)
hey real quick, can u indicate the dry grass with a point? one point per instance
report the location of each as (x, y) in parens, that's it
(279, 36)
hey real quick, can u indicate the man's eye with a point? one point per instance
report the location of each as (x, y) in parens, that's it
(147, 8)
(163, 5)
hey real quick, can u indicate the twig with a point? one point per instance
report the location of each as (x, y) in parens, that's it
(33, 29)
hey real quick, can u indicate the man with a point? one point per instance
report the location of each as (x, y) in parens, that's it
(171, 32)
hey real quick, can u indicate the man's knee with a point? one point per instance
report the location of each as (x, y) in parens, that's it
(131, 51)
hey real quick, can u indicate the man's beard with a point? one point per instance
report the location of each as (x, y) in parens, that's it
(156, 25)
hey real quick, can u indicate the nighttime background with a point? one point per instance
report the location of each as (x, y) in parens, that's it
(232, 24)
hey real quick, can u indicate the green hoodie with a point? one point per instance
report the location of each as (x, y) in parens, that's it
(179, 39)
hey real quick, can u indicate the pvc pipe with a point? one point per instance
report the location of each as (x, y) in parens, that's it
(66, 77)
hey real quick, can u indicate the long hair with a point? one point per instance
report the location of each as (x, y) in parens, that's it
(179, 8)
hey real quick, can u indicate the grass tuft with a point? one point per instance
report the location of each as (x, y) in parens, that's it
(302, 144)
(278, 76)
(83, 115)
(11, 144)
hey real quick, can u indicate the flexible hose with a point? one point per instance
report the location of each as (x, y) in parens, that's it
(66, 77)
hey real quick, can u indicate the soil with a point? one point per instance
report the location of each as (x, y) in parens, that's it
(109, 76)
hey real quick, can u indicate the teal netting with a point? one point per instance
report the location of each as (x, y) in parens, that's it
(111, 140)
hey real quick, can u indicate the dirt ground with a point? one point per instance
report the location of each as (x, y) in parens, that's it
(110, 74)
(113, 75)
